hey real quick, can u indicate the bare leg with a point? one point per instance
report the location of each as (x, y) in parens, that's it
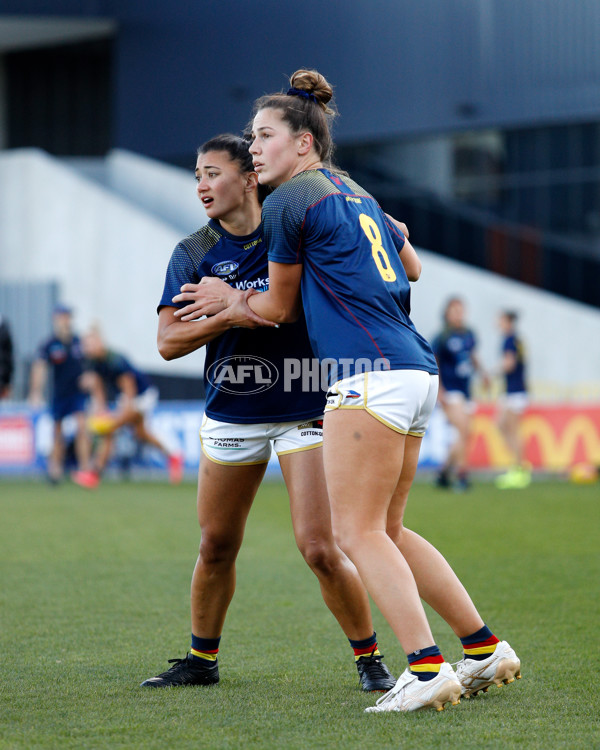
(341, 587)
(103, 453)
(57, 453)
(461, 420)
(437, 583)
(144, 435)
(509, 424)
(83, 445)
(225, 496)
(363, 462)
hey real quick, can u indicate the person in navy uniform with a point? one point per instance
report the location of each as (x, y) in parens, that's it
(455, 350)
(513, 401)
(60, 360)
(334, 254)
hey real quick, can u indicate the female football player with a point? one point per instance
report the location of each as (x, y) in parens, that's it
(332, 252)
(513, 402)
(455, 351)
(251, 402)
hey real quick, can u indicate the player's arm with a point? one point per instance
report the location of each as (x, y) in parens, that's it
(478, 367)
(176, 338)
(37, 382)
(127, 386)
(508, 363)
(282, 303)
(179, 334)
(93, 384)
(408, 255)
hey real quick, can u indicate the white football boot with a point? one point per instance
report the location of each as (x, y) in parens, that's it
(412, 694)
(499, 668)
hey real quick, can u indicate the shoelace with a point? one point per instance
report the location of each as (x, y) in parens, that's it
(374, 666)
(404, 679)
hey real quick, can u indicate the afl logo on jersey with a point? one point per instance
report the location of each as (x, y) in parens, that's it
(242, 375)
(227, 269)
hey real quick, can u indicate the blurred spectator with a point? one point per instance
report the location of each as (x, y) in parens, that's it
(61, 357)
(110, 376)
(513, 402)
(455, 351)
(6, 358)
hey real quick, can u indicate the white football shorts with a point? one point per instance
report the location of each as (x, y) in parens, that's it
(402, 399)
(458, 397)
(516, 402)
(242, 444)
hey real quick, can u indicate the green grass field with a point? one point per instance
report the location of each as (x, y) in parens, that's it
(94, 599)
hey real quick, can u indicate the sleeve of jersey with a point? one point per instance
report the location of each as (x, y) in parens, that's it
(180, 271)
(397, 237)
(283, 216)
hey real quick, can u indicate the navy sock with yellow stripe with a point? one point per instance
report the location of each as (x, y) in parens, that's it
(205, 648)
(425, 663)
(366, 647)
(479, 645)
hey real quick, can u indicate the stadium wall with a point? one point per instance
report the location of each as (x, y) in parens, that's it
(400, 67)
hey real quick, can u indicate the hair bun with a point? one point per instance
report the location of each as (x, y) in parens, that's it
(314, 83)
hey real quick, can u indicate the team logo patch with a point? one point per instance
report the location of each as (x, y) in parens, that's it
(316, 424)
(352, 394)
(228, 270)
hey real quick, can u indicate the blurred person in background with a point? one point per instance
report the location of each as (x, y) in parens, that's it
(455, 350)
(6, 358)
(109, 377)
(513, 402)
(61, 358)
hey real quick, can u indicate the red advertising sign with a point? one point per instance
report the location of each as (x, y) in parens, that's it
(555, 437)
(16, 441)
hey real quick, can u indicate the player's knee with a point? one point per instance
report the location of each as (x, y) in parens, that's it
(320, 555)
(217, 549)
(346, 538)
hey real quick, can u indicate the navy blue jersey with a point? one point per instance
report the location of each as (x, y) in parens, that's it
(515, 380)
(110, 369)
(251, 375)
(355, 292)
(453, 348)
(65, 359)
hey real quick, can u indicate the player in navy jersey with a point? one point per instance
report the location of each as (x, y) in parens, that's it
(111, 377)
(332, 251)
(252, 403)
(455, 351)
(61, 357)
(513, 402)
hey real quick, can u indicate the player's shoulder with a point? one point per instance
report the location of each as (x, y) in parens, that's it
(300, 193)
(200, 242)
(346, 183)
